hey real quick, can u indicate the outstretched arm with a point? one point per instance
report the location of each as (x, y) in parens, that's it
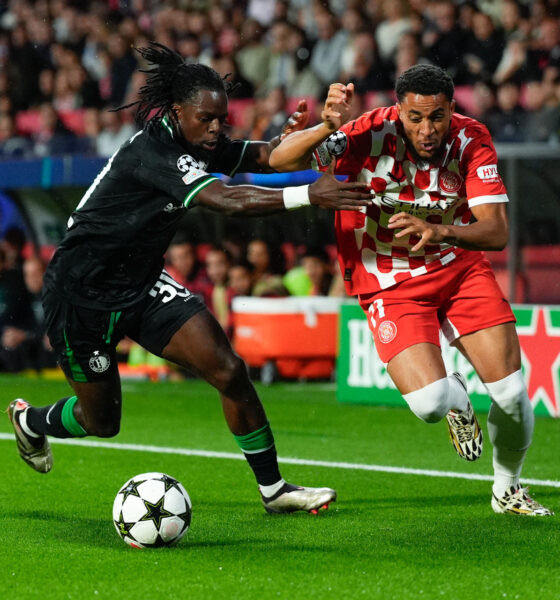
(325, 192)
(257, 158)
(295, 150)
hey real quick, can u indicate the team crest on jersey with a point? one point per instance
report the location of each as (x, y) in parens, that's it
(99, 362)
(450, 182)
(336, 143)
(387, 331)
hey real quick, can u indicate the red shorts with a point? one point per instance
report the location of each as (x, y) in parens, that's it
(460, 298)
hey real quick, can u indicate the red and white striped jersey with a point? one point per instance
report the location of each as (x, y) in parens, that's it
(372, 149)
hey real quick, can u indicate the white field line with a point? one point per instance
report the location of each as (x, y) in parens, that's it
(284, 460)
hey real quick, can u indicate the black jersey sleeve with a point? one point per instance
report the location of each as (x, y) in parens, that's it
(230, 158)
(168, 168)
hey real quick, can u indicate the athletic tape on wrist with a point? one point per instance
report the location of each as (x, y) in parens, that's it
(296, 197)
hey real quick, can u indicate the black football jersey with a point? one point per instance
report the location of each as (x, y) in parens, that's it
(112, 252)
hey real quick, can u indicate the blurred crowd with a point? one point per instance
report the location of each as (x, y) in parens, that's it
(65, 64)
(217, 274)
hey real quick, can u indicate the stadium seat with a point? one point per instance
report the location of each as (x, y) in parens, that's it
(237, 108)
(543, 285)
(74, 120)
(465, 99)
(548, 255)
(498, 258)
(28, 122)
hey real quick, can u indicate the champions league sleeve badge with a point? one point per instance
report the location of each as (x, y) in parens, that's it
(191, 167)
(336, 143)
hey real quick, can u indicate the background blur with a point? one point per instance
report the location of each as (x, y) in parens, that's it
(64, 64)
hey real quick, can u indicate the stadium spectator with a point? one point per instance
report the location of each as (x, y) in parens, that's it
(268, 263)
(389, 31)
(408, 297)
(225, 65)
(316, 264)
(361, 65)
(184, 266)
(542, 121)
(508, 123)
(544, 57)
(113, 132)
(327, 52)
(15, 312)
(240, 278)
(253, 55)
(276, 114)
(443, 38)
(106, 281)
(121, 67)
(12, 145)
(54, 138)
(218, 294)
(483, 49)
(24, 343)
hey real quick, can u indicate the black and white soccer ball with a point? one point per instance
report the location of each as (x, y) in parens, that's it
(152, 510)
(336, 143)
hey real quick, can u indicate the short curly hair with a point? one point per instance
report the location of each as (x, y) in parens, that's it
(427, 80)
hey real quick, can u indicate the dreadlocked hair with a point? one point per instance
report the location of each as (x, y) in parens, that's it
(172, 81)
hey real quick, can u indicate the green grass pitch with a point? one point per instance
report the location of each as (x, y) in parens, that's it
(390, 535)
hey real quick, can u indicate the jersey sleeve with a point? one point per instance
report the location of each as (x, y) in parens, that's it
(345, 146)
(230, 159)
(482, 180)
(175, 173)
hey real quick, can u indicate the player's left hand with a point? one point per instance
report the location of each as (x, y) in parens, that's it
(409, 225)
(297, 121)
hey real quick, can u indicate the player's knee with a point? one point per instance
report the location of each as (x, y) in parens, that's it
(231, 375)
(430, 403)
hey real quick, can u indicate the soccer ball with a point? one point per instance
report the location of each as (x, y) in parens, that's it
(152, 510)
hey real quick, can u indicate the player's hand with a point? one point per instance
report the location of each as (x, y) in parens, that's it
(336, 111)
(328, 192)
(429, 233)
(297, 121)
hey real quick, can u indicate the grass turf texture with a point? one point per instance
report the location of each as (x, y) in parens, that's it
(388, 536)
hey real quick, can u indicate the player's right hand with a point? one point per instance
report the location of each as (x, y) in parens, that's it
(328, 192)
(337, 107)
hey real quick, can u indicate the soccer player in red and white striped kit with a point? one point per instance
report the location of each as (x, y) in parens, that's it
(414, 259)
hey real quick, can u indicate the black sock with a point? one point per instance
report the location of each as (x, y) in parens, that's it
(57, 420)
(265, 466)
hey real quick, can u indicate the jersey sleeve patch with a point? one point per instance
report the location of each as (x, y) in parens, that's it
(336, 143)
(191, 168)
(321, 157)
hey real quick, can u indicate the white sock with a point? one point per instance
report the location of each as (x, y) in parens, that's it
(23, 424)
(269, 490)
(510, 427)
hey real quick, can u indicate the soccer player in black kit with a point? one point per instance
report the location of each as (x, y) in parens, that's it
(106, 279)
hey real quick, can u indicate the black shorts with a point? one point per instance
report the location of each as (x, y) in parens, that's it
(85, 339)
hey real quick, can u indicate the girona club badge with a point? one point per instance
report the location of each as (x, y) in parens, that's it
(387, 331)
(450, 182)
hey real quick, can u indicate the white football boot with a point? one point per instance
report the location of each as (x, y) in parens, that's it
(290, 498)
(516, 501)
(464, 430)
(35, 451)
